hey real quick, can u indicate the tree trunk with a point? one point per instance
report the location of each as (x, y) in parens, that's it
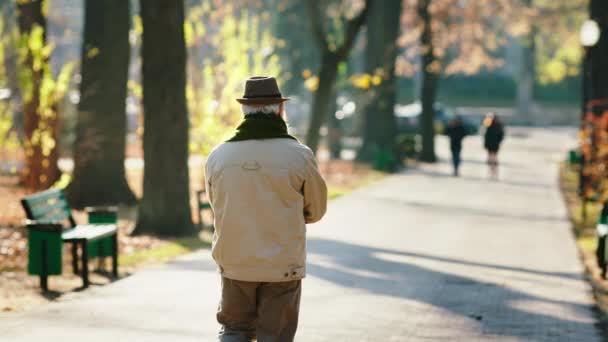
(334, 129)
(11, 67)
(165, 206)
(379, 116)
(527, 71)
(322, 99)
(41, 169)
(99, 151)
(430, 78)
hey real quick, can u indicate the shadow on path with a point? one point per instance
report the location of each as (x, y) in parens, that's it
(462, 210)
(438, 174)
(194, 265)
(496, 308)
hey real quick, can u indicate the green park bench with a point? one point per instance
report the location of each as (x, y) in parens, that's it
(50, 224)
(203, 204)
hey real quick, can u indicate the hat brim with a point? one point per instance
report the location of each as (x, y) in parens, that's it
(262, 100)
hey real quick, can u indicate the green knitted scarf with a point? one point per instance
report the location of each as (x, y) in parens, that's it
(258, 126)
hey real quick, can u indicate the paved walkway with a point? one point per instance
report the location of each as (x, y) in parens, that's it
(416, 257)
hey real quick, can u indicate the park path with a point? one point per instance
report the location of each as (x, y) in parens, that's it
(418, 256)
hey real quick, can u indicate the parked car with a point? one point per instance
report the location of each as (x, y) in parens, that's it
(408, 118)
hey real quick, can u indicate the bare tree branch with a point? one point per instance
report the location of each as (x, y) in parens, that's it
(352, 28)
(316, 21)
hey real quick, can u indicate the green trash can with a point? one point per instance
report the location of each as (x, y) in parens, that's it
(574, 157)
(45, 249)
(101, 215)
(383, 161)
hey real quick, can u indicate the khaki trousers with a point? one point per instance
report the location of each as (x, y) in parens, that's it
(266, 311)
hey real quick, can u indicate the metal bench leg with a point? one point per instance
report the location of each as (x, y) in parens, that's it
(85, 264)
(115, 255)
(202, 220)
(44, 271)
(75, 257)
(101, 260)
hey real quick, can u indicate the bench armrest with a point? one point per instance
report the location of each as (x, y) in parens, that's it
(101, 209)
(44, 226)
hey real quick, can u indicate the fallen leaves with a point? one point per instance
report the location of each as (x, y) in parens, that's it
(13, 249)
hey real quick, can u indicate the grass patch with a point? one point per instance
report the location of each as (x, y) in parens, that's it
(569, 185)
(336, 191)
(170, 250)
(589, 222)
(587, 243)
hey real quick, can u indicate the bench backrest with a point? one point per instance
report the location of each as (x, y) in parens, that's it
(48, 206)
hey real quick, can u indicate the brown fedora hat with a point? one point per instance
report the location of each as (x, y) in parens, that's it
(261, 90)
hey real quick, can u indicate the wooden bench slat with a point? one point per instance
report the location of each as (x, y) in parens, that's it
(53, 219)
(43, 210)
(89, 232)
(43, 196)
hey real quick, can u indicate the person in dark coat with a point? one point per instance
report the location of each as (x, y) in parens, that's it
(456, 132)
(493, 137)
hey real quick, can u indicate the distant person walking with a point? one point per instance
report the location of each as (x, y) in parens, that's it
(493, 137)
(264, 187)
(457, 132)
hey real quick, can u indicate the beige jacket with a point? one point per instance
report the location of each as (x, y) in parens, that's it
(263, 192)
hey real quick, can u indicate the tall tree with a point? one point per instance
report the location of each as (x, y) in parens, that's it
(430, 67)
(99, 169)
(165, 206)
(331, 56)
(597, 54)
(379, 133)
(40, 127)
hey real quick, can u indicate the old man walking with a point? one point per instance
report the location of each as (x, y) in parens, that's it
(264, 187)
